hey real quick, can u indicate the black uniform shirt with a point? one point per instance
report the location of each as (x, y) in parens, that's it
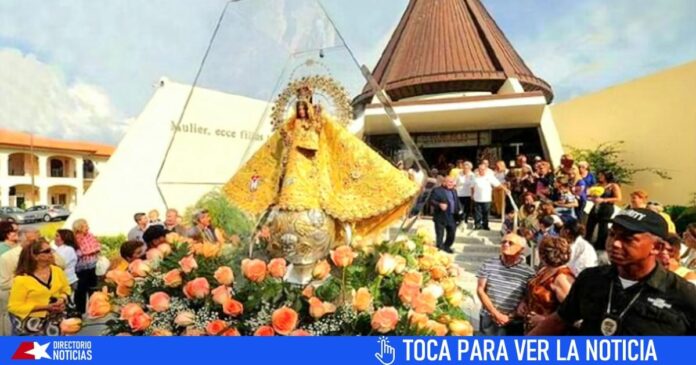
(666, 305)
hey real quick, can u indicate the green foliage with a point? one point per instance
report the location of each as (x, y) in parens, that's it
(225, 215)
(607, 156)
(110, 245)
(330, 290)
(685, 218)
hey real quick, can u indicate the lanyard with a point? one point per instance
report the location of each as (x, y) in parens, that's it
(630, 304)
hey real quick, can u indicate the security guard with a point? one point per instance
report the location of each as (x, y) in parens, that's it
(633, 296)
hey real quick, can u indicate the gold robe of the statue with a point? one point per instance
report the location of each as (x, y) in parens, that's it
(345, 178)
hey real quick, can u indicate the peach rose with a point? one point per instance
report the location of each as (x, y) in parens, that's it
(264, 331)
(342, 256)
(386, 264)
(120, 277)
(321, 270)
(385, 319)
(318, 309)
(193, 332)
(197, 288)
(160, 332)
(224, 275)
(159, 301)
(448, 285)
(129, 310)
(139, 268)
(362, 300)
(98, 305)
(308, 291)
(185, 319)
(188, 264)
(154, 254)
(438, 272)
(456, 298)
(123, 291)
(431, 251)
(172, 278)
(460, 327)
(425, 235)
(424, 303)
(437, 328)
(400, 264)
(434, 289)
(210, 250)
(221, 294)
(407, 292)
(232, 307)
(414, 278)
(426, 262)
(231, 332)
(418, 320)
(139, 322)
(214, 328)
(277, 267)
(70, 326)
(300, 332)
(254, 270)
(165, 249)
(284, 320)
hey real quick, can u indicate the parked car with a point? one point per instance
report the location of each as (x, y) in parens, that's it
(47, 213)
(12, 214)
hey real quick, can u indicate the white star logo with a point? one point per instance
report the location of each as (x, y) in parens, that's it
(39, 351)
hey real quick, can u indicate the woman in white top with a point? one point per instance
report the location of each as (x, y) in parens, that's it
(66, 247)
(688, 254)
(465, 181)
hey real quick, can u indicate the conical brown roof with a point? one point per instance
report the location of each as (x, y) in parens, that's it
(445, 46)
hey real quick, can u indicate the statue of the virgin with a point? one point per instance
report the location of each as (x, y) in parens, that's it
(316, 183)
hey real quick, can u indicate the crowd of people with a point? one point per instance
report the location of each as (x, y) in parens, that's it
(42, 282)
(572, 260)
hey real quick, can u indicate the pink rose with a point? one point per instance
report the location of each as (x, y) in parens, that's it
(140, 322)
(185, 319)
(221, 294)
(159, 302)
(172, 278)
(277, 267)
(385, 319)
(188, 264)
(321, 270)
(232, 307)
(197, 288)
(139, 268)
(254, 270)
(264, 331)
(154, 254)
(343, 256)
(129, 310)
(224, 275)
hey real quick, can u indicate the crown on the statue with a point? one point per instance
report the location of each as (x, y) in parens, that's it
(304, 93)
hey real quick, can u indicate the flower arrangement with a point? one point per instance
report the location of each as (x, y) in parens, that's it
(407, 287)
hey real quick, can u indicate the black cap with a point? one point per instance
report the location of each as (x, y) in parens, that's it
(642, 220)
(154, 232)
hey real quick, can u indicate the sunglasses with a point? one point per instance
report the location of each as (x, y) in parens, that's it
(48, 250)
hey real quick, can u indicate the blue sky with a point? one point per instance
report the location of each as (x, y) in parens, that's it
(83, 69)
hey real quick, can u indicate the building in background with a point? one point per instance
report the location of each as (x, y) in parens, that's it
(41, 171)
(460, 89)
(656, 118)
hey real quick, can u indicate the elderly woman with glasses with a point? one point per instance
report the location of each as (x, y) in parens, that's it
(40, 288)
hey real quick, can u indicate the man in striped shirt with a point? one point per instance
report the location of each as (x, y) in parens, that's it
(502, 283)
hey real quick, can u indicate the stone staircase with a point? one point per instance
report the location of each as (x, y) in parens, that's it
(471, 249)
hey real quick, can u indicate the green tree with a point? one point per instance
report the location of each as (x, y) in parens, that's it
(607, 156)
